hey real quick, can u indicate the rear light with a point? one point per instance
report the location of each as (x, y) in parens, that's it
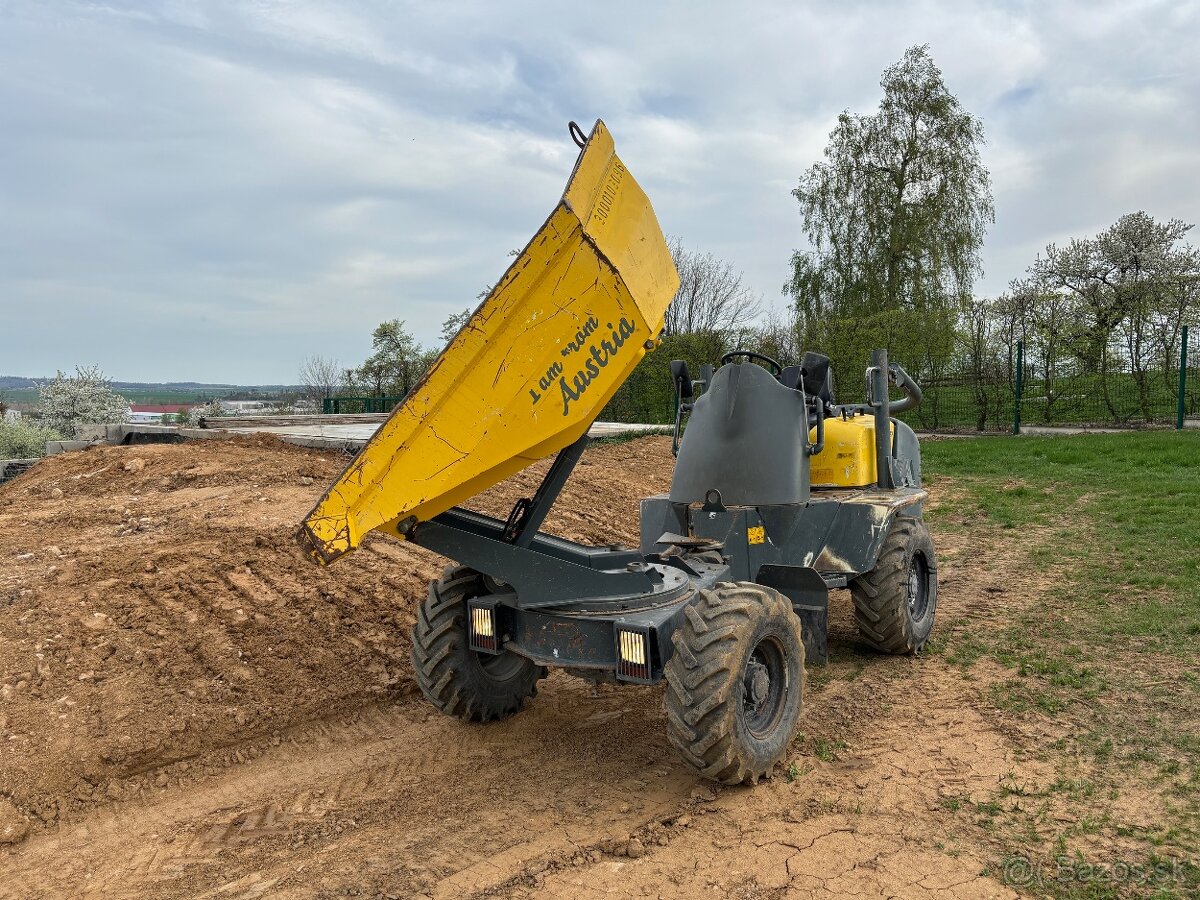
(634, 662)
(484, 631)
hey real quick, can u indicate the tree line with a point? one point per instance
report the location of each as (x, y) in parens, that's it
(895, 215)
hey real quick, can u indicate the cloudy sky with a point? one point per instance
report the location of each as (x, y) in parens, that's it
(214, 191)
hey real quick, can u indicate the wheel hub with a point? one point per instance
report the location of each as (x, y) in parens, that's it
(760, 683)
(764, 684)
(917, 589)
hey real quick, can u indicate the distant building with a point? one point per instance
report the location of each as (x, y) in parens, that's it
(156, 415)
(249, 407)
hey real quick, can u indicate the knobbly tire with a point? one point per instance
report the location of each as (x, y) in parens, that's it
(735, 682)
(894, 603)
(462, 682)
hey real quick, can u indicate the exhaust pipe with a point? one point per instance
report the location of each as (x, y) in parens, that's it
(877, 398)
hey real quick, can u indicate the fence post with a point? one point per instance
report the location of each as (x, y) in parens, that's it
(1179, 409)
(1017, 392)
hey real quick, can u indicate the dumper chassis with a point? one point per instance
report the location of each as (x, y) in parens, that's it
(779, 495)
(723, 600)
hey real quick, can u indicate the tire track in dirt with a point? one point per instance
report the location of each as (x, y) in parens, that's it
(382, 776)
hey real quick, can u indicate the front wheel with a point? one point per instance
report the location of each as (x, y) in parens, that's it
(735, 682)
(462, 682)
(894, 603)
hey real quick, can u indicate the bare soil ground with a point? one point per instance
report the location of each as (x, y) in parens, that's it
(188, 708)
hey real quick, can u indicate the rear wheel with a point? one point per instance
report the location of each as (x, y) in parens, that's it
(462, 682)
(895, 603)
(735, 682)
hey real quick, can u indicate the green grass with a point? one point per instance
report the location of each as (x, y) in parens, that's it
(1109, 645)
(138, 396)
(1132, 550)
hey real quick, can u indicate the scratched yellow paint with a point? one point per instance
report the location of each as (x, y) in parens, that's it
(756, 534)
(848, 459)
(530, 370)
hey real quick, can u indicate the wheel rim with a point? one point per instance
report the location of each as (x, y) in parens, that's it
(500, 667)
(918, 587)
(764, 688)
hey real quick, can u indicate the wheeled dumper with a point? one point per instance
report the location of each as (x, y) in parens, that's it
(779, 494)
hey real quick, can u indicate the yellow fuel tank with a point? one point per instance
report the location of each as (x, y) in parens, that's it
(531, 369)
(848, 459)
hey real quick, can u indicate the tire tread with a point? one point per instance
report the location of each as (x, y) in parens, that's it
(701, 677)
(880, 596)
(439, 654)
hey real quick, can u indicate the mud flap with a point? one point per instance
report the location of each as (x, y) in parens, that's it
(809, 595)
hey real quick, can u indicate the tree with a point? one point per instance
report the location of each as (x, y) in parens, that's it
(1047, 321)
(712, 311)
(897, 212)
(397, 363)
(1126, 295)
(711, 296)
(85, 398)
(211, 410)
(321, 377)
(648, 394)
(453, 325)
(985, 344)
(24, 440)
(777, 336)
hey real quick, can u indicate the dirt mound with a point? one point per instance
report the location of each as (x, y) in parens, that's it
(158, 622)
(191, 709)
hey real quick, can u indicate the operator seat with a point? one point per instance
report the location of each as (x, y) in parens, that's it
(815, 375)
(818, 376)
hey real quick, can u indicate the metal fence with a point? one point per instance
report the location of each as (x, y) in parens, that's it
(1018, 389)
(1014, 387)
(1032, 392)
(337, 405)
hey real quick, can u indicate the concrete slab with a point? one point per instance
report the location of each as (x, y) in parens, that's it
(349, 438)
(53, 448)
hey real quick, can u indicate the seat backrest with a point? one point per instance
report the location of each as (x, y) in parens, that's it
(818, 376)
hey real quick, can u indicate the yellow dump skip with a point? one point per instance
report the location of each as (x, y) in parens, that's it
(530, 370)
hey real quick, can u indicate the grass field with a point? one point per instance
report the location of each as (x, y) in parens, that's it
(146, 396)
(29, 396)
(1110, 648)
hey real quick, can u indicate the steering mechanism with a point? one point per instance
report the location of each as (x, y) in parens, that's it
(776, 368)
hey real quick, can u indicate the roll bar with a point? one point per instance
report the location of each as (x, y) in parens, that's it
(879, 373)
(905, 382)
